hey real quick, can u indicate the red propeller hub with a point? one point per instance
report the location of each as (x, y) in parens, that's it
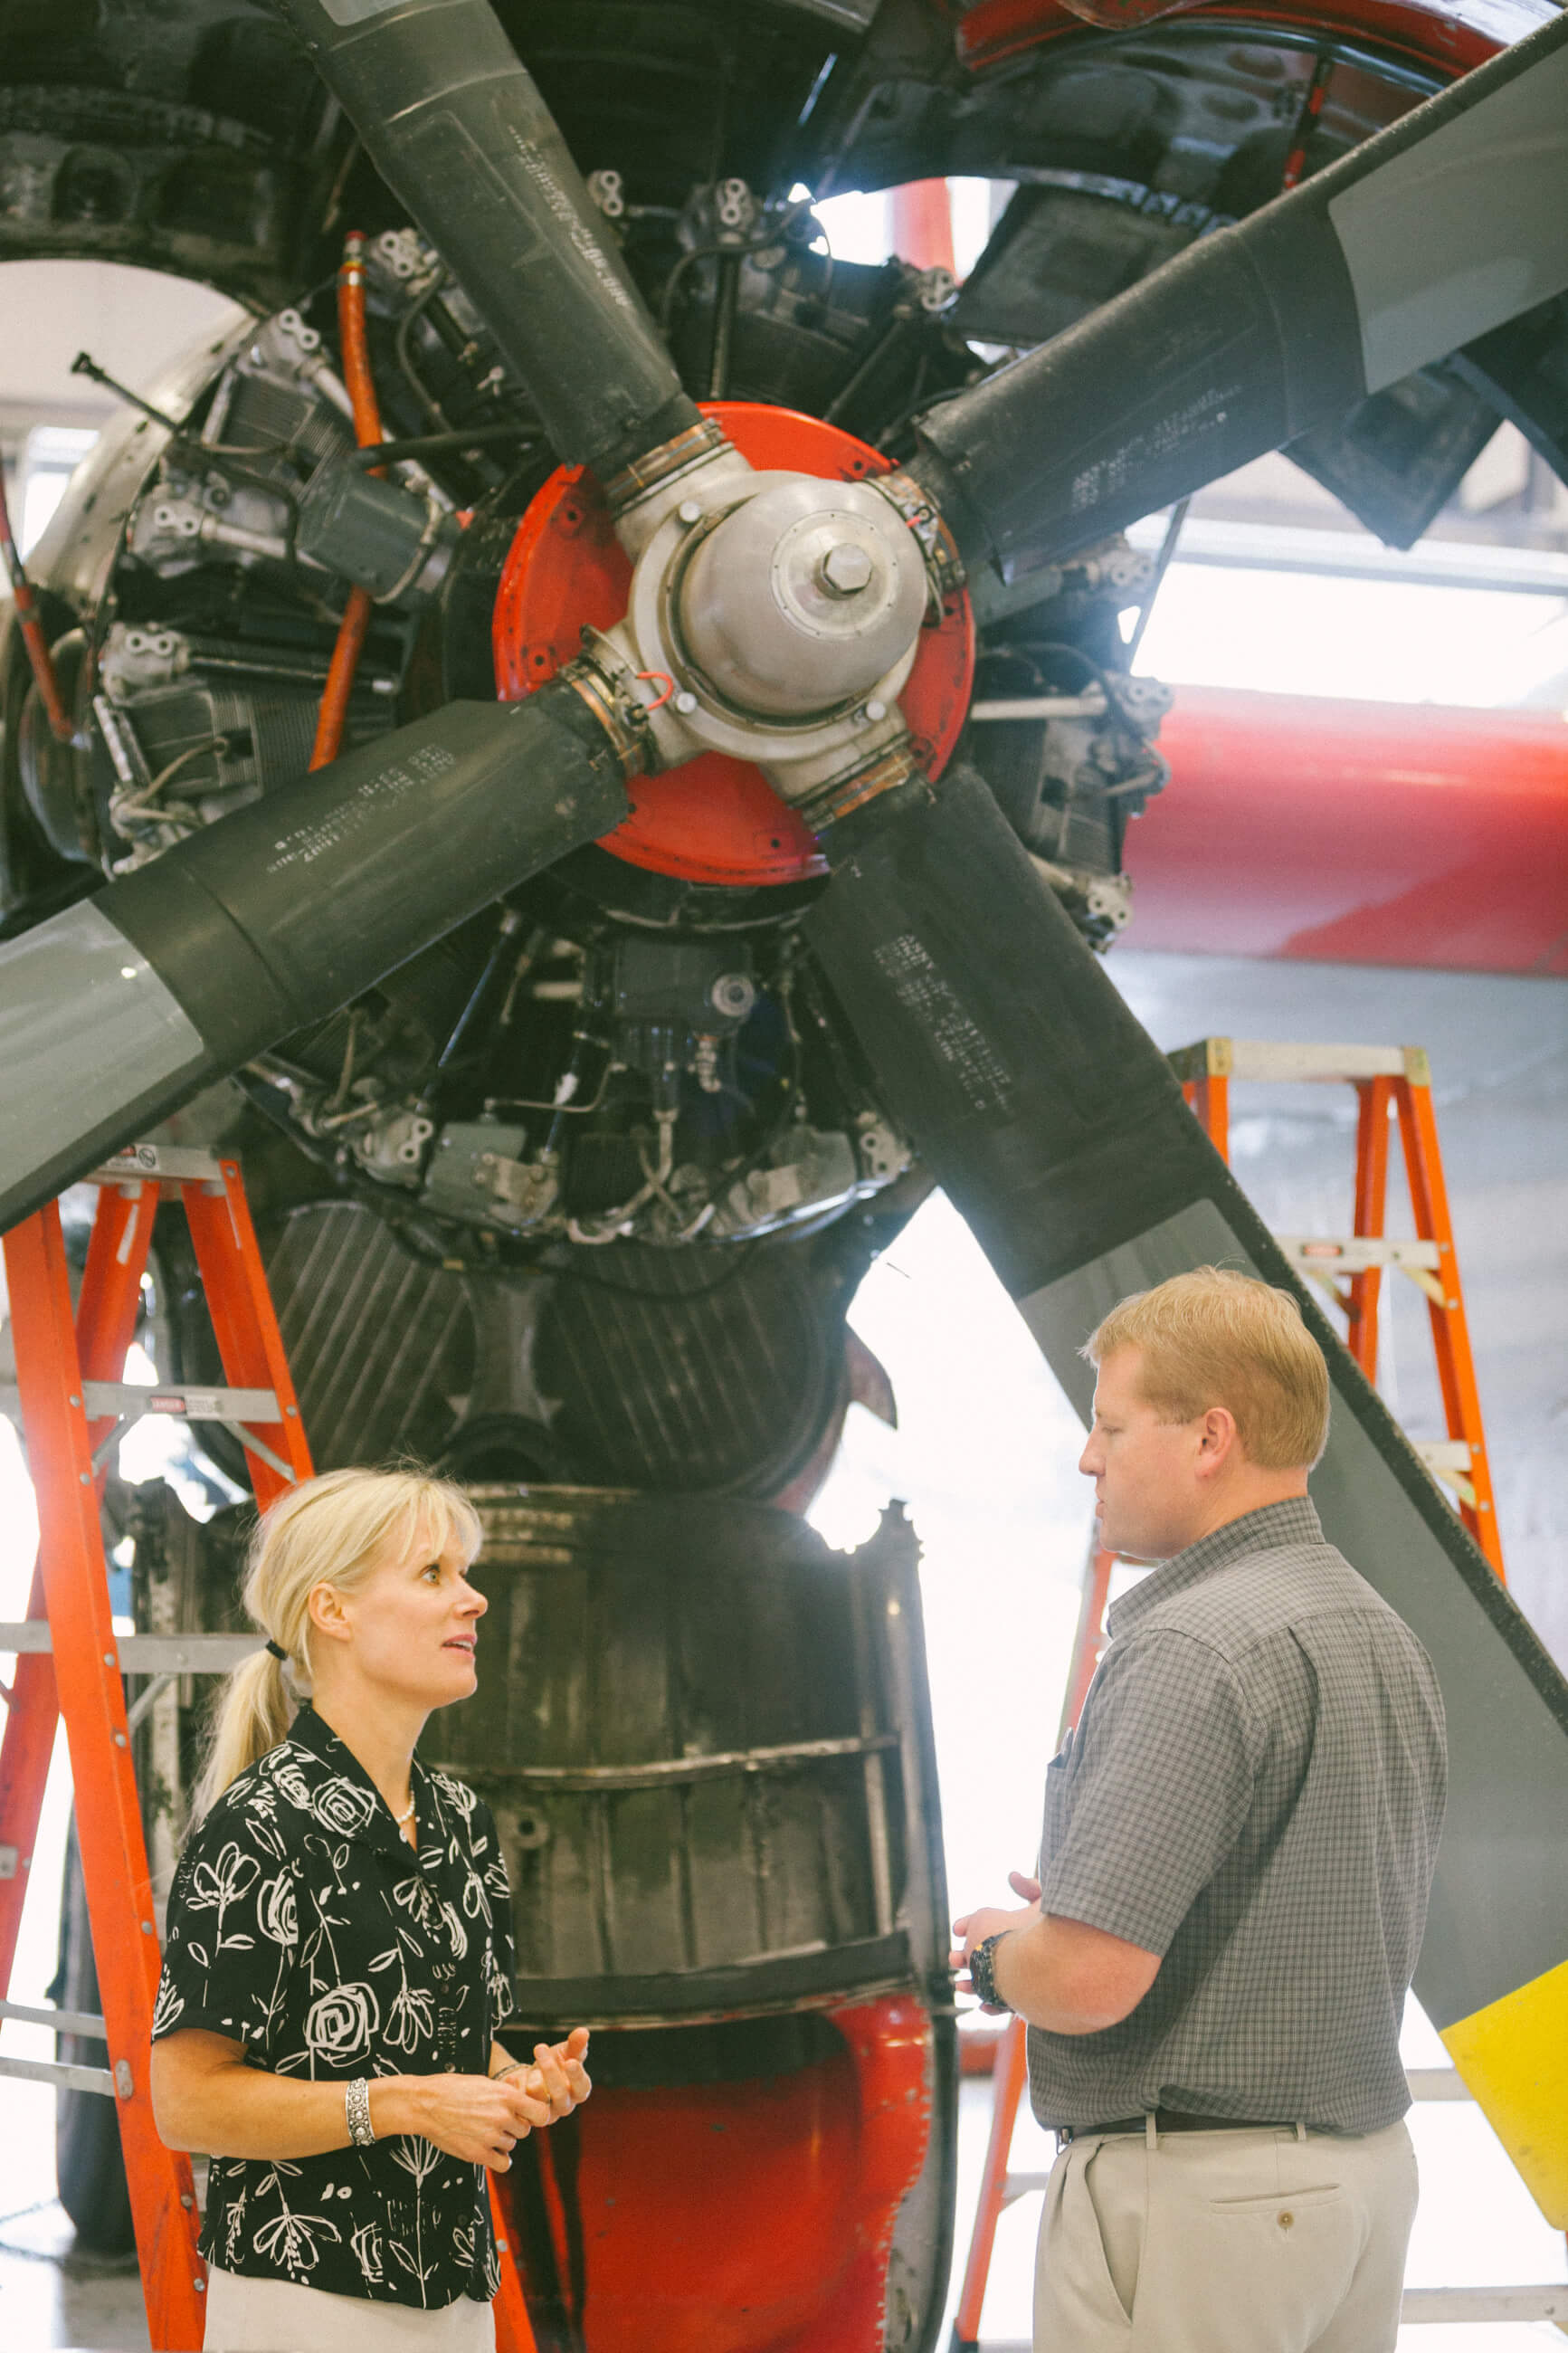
(714, 819)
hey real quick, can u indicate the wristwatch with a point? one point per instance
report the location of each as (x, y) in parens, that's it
(983, 1971)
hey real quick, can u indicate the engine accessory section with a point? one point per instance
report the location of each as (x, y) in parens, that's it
(384, 538)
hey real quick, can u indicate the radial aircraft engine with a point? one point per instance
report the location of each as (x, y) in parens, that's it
(596, 753)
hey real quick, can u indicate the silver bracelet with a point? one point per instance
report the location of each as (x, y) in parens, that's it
(356, 2108)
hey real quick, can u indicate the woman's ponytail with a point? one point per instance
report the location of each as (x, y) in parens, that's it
(333, 1530)
(253, 1713)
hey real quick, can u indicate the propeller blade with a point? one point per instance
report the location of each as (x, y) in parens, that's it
(1059, 1131)
(1440, 229)
(118, 1010)
(456, 126)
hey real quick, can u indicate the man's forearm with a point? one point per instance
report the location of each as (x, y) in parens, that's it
(1052, 1975)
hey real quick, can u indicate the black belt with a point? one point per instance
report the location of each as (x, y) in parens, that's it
(1173, 2120)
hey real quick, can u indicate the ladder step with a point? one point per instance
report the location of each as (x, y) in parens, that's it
(1419, 2303)
(146, 1655)
(1321, 1256)
(1282, 1060)
(1443, 1455)
(129, 1399)
(1425, 2083)
(64, 2021)
(61, 2073)
(166, 1162)
(1354, 1253)
(1543, 2303)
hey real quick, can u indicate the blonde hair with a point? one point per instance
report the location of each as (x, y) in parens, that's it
(334, 1530)
(1217, 1337)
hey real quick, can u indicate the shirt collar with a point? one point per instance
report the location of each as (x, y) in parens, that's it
(332, 1760)
(1293, 1521)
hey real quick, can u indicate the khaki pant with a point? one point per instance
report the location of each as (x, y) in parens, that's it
(1226, 2242)
(274, 2315)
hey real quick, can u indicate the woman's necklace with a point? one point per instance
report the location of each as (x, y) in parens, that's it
(408, 1816)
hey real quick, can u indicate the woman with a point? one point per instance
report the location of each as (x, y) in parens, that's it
(338, 1949)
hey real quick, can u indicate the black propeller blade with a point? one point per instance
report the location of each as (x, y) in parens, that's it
(1437, 230)
(115, 1012)
(1059, 1131)
(458, 128)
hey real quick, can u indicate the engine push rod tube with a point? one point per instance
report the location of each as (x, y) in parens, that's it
(115, 1012)
(1444, 225)
(457, 127)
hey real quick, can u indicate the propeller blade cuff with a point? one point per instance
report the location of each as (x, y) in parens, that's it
(116, 1012)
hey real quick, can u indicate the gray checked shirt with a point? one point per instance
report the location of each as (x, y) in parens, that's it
(1254, 1792)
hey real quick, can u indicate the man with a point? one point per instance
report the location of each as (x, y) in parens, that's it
(1237, 1852)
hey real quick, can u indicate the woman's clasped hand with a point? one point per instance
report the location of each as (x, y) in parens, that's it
(479, 2118)
(558, 2076)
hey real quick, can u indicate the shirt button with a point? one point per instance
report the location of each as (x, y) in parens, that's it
(1286, 2219)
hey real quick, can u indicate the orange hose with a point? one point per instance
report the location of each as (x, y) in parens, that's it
(39, 660)
(339, 682)
(368, 431)
(355, 349)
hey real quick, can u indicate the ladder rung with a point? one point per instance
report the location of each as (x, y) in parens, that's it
(60, 2072)
(64, 2021)
(1425, 2083)
(146, 1655)
(180, 1401)
(128, 1399)
(1280, 1059)
(1354, 1253)
(1520, 2304)
(169, 1163)
(1547, 2301)
(1443, 1454)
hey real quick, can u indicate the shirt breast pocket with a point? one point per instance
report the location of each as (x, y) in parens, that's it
(1058, 1778)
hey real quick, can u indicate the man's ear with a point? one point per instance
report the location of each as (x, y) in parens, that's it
(328, 1615)
(1217, 1441)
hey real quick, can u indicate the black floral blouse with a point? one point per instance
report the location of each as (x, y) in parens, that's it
(302, 1924)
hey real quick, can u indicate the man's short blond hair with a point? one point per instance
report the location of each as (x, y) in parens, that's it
(1216, 1338)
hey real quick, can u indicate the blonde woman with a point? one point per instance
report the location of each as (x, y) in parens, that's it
(339, 1949)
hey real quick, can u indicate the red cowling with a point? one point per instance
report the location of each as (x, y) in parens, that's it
(1357, 833)
(749, 2217)
(1449, 35)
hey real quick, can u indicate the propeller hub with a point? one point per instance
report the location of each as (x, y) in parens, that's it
(847, 568)
(800, 598)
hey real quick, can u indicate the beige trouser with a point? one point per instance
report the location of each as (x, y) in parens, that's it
(252, 2316)
(1226, 2242)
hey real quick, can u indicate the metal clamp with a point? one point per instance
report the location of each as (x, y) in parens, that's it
(944, 566)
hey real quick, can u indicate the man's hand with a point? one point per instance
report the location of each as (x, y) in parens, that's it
(558, 2077)
(976, 1927)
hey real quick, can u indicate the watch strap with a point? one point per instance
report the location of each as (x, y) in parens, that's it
(983, 1971)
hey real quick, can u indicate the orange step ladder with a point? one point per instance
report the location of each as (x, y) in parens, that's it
(75, 1405)
(1390, 1082)
(1010, 2066)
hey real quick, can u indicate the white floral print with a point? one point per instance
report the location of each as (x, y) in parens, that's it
(301, 1924)
(340, 2024)
(342, 1805)
(276, 1911)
